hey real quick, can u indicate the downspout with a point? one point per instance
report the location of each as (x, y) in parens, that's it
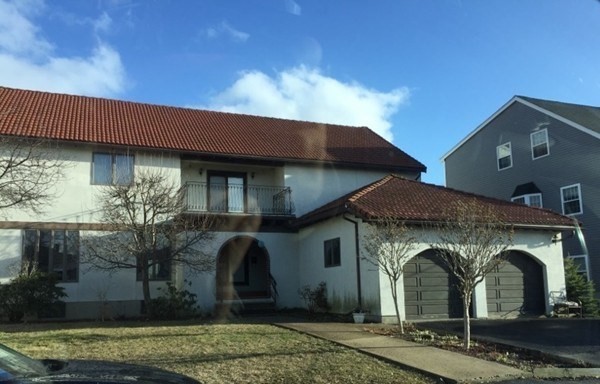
(356, 244)
(584, 247)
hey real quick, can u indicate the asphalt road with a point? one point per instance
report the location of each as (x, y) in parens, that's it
(568, 338)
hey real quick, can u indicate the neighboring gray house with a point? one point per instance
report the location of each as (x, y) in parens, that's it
(540, 153)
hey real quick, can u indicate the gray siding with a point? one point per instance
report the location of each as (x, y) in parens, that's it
(574, 159)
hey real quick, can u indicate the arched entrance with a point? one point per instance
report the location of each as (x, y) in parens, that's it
(516, 288)
(243, 270)
(430, 288)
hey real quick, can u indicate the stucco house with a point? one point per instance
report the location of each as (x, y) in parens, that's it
(299, 195)
(543, 154)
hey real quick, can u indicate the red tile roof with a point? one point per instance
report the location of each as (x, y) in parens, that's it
(414, 201)
(104, 121)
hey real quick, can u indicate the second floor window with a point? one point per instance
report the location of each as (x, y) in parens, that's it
(533, 200)
(112, 169)
(53, 251)
(539, 144)
(570, 197)
(504, 156)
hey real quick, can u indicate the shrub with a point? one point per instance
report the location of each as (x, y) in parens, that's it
(580, 289)
(315, 298)
(31, 292)
(174, 304)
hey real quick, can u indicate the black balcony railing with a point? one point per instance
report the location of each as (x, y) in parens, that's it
(233, 198)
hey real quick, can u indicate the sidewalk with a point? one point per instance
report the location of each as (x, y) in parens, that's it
(450, 366)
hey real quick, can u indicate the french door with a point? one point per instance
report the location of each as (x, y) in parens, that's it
(226, 192)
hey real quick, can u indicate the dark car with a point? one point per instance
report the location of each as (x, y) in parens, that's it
(18, 368)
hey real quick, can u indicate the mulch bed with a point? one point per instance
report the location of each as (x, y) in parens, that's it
(523, 359)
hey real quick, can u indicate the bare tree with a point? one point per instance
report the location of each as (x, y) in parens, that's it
(472, 241)
(149, 231)
(29, 168)
(389, 244)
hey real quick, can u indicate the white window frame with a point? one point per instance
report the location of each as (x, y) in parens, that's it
(545, 142)
(527, 199)
(580, 198)
(114, 169)
(498, 148)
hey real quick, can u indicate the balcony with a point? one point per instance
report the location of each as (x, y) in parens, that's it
(238, 199)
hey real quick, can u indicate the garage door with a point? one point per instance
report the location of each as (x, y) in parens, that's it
(430, 289)
(516, 288)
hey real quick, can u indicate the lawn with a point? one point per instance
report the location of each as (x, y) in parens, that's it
(211, 353)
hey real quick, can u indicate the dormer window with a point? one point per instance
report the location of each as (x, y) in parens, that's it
(528, 194)
(539, 144)
(532, 200)
(504, 156)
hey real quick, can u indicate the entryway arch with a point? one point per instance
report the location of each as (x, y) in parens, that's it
(243, 270)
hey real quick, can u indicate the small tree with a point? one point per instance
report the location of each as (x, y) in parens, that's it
(28, 170)
(580, 289)
(149, 230)
(388, 245)
(472, 241)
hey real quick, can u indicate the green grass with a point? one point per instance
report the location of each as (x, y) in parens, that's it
(211, 353)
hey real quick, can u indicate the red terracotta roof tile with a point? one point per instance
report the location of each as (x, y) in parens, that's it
(414, 201)
(104, 121)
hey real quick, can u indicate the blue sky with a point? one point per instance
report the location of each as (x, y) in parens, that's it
(421, 73)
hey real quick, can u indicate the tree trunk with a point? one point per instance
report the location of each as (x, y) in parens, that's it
(395, 298)
(466, 322)
(146, 286)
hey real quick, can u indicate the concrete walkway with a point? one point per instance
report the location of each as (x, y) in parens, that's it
(450, 366)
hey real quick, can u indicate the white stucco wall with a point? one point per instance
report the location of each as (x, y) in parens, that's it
(314, 186)
(341, 280)
(75, 196)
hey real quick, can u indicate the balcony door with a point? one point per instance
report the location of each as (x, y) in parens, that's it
(226, 192)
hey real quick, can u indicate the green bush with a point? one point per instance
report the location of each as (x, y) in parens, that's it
(30, 293)
(315, 298)
(174, 304)
(580, 289)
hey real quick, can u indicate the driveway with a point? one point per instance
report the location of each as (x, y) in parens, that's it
(568, 338)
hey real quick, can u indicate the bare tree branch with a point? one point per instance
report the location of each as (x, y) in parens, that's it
(388, 245)
(28, 170)
(472, 242)
(150, 230)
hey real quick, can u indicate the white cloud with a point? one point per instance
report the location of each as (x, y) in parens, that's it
(292, 7)
(18, 34)
(225, 29)
(28, 59)
(102, 23)
(306, 94)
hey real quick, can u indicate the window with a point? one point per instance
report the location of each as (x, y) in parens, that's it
(332, 253)
(570, 197)
(504, 156)
(112, 169)
(539, 144)
(533, 200)
(53, 251)
(159, 266)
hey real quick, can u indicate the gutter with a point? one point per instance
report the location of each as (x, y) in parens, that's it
(356, 245)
